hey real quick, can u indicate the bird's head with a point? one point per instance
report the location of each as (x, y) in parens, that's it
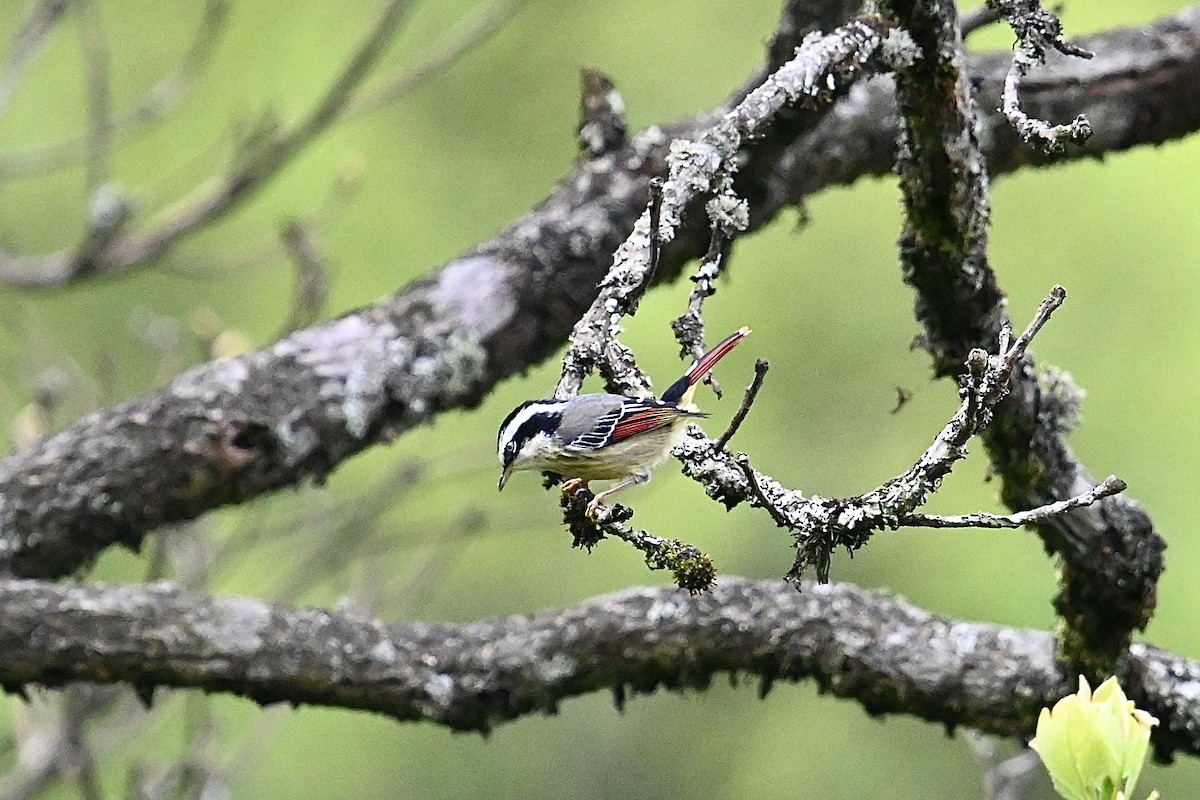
(526, 436)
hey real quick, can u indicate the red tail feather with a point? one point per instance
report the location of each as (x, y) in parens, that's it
(681, 389)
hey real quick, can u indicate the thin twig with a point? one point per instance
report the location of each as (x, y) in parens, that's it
(267, 155)
(99, 92)
(1048, 306)
(602, 123)
(743, 463)
(689, 327)
(760, 374)
(156, 102)
(656, 201)
(1037, 30)
(1109, 487)
(468, 33)
(312, 276)
(27, 43)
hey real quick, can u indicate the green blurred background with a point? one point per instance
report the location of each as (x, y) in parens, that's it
(399, 191)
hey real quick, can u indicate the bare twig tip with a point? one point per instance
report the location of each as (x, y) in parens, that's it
(1115, 484)
(760, 374)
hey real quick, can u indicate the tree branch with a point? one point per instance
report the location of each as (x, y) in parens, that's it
(238, 428)
(159, 99)
(258, 161)
(1038, 31)
(882, 652)
(739, 416)
(821, 524)
(1110, 486)
(1112, 556)
(26, 45)
(944, 182)
(822, 68)
(1139, 88)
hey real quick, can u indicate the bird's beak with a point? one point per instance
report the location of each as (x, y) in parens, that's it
(504, 477)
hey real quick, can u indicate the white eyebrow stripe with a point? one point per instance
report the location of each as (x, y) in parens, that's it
(513, 424)
(523, 416)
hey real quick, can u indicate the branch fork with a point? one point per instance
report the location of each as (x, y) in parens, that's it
(1038, 31)
(820, 524)
(823, 67)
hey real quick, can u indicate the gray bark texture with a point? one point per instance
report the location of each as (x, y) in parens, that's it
(881, 652)
(235, 429)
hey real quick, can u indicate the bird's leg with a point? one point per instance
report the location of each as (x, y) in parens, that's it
(593, 507)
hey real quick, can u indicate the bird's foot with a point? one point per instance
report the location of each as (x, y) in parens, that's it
(573, 485)
(597, 512)
(600, 513)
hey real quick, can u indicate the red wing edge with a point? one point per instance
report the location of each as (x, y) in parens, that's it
(642, 419)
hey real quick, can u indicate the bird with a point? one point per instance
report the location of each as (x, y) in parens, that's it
(596, 437)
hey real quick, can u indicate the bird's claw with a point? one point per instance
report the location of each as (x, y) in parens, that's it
(573, 485)
(597, 512)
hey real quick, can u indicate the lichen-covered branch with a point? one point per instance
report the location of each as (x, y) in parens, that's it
(944, 183)
(235, 429)
(1038, 31)
(1140, 87)
(821, 524)
(822, 68)
(881, 652)
(689, 326)
(692, 569)
(1112, 485)
(1112, 555)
